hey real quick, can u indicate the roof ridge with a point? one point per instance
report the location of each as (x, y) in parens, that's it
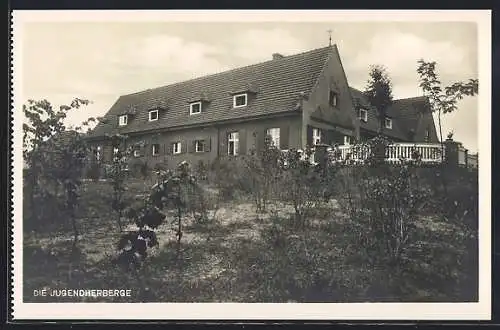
(394, 100)
(226, 71)
(409, 98)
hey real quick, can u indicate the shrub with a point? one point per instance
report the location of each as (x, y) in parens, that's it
(228, 175)
(302, 184)
(383, 203)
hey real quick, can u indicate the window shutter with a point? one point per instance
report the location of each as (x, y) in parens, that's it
(167, 148)
(309, 135)
(323, 135)
(242, 142)
(223, 142)
(284, 136)
(184, 147)
(329, 137)
(208, 144)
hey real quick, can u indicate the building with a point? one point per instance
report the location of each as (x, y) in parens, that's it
(297, 100)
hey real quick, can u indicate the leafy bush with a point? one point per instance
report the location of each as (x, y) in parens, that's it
(302, 184)
(383, 203)
(228, 175)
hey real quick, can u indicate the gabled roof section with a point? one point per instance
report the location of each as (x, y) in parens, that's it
(405, 114)
(275, 85)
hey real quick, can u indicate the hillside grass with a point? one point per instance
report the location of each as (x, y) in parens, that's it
(248, 256)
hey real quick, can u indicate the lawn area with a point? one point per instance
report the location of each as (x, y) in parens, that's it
(247, 256)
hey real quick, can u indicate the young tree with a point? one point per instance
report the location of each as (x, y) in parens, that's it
(443, 100)
(379, 92)
(41, 123)
(118, 175)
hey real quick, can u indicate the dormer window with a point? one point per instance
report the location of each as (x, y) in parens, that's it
(388, 123)
(194, 108)
(363, 115)
(122, 120)
(153, 115)
(240, 100)
(333, 99)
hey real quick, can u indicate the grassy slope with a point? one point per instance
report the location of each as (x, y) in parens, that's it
(248, 257)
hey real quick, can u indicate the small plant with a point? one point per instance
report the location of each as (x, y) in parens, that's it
(263, 171)
(301, 183)
(172, 192)
(117, 175)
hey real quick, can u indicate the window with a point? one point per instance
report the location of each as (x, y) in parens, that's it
(122, 120)
(233, 143)
(115, 151)
(155, 149)
(137, 153)
(176, 148)
(316, 136)
(153, 115)
(333, 99)
(98, 153)
(363, 115)
(388, 123)
(347, 139)
(195, 108)
(274, 133)
(199, 146)
(239, 100)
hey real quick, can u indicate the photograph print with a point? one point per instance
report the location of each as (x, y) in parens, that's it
(235, 159)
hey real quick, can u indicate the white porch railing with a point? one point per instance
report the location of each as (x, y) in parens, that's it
(395, 152)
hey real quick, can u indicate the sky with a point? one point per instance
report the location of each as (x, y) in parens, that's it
(100, 61)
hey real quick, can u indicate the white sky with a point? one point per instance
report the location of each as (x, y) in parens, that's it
(100, 61)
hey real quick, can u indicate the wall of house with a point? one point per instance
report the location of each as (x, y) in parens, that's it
(426, 122)
(251, 136)
(331, 78)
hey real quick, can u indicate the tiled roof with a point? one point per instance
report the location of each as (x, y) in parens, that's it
(276, 84)
(404, 113)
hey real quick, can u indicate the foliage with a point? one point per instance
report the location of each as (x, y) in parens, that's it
(226, 175)
(117, 174)
(174, 191)
(55, 157)
(302, 183)
(383, 204)
(443, 99)
(379, 92)
(263, 172)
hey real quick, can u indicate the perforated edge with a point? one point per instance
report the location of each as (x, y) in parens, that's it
(10, 248)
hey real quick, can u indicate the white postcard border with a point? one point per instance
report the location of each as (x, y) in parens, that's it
(243, 311)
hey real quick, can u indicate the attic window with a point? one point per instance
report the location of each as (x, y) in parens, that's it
(195, 108)
(122, 120)
(333, 99)
(153, 115)
(388, 123)
(363, 115)
(239, 100)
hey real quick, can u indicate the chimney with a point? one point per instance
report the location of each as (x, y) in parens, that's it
(277, 56)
